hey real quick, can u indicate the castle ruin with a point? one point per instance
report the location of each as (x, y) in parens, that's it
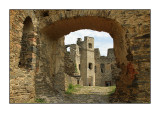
(87, 66)
(37, 52)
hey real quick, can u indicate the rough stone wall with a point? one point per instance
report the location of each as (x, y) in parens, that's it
(105, 74)
(58, 65)
(71, 60)
(115, 72)
(69, 64)
(129, 29)
(50, 67)
(75, 55)
(141, 57)
(21, 79)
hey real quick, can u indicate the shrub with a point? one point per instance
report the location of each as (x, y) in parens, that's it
(71, 88)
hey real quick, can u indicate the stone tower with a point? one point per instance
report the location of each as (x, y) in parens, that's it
(87, 61)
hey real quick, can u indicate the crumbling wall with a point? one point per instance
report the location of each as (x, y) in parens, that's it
(69, 64)
(130, 29)
(105, 74)
(22, 84)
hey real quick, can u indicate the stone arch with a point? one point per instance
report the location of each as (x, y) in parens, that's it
(18, 23)
(53, 34)
(62, 27)
(131, 26)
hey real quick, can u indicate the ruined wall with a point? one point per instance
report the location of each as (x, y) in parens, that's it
(69, 64)
(130, 29)
(50, 66)
(104, 74)
(141, 57)
(22, 84)
(72, 61)
(75, 55)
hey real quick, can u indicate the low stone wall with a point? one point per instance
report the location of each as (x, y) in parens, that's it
(71, 80)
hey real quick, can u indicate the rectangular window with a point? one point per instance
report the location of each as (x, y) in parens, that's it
(90, 45)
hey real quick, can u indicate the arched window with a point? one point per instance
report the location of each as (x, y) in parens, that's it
(27, 45)
(68, 49)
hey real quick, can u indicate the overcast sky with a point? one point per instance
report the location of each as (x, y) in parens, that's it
(102, 40)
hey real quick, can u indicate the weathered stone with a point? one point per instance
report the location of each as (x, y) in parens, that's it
(123, 26)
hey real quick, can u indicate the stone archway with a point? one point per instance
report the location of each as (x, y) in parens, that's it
(119, 29)
(53, 35)
(130, 30)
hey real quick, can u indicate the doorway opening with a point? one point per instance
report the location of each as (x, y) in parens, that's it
(108, 83)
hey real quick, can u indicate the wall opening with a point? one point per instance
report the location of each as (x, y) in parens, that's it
(77, 81)
(27, 45)
(68, 49)
(45, 13)
(61, 28)
(107, 83)
(90, 66)
(102, 40)
(90, 45)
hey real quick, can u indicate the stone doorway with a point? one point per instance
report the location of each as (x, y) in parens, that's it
(107, 83)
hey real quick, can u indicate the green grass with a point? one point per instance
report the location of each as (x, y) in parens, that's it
(72, 88)
(112, 90)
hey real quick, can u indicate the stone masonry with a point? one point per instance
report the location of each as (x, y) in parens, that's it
(104, 71)
(40, 68)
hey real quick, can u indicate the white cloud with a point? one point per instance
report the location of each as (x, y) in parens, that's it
(103, 40)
